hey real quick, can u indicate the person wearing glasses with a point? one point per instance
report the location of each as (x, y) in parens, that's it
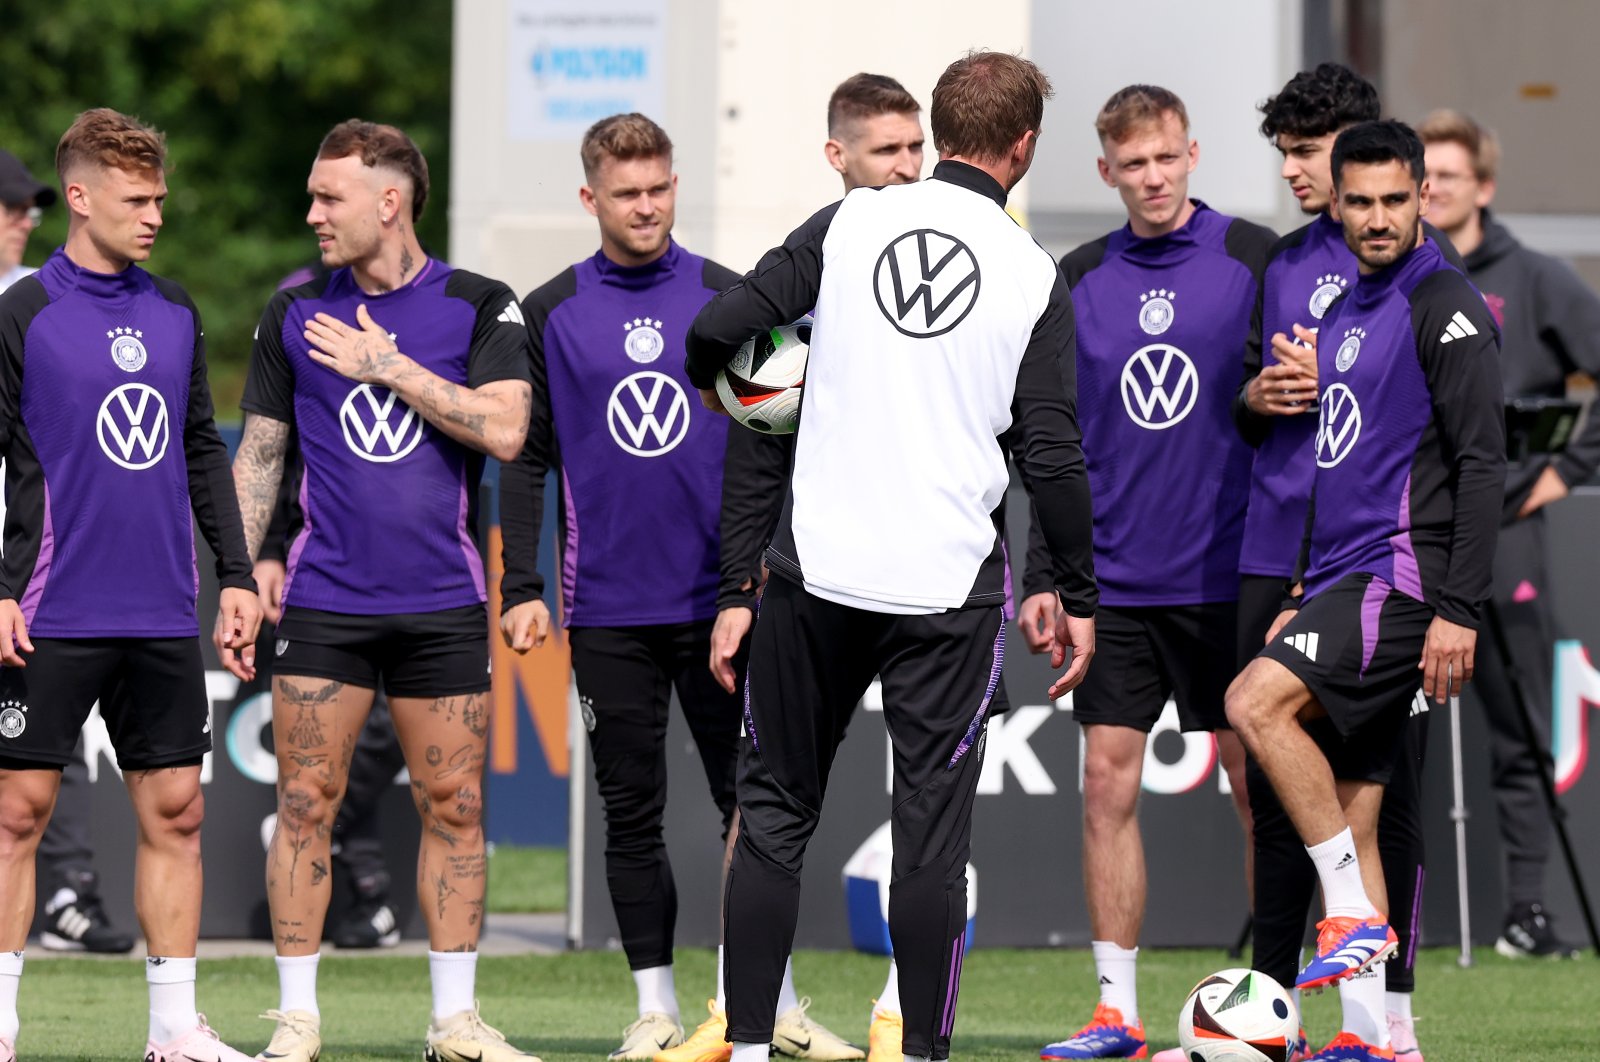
(25, 198)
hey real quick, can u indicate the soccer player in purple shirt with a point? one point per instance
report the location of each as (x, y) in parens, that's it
(1164, 310)
(107, 434)
(641, 476)
(1410, 466)
(396, 373)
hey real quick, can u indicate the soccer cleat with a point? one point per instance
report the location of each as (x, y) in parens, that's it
(647, 1037)
(1348, 1047)
(298, 1037)
(885, 1035)
(369, 924)
(794, 1034)
(1171, 1054)
(1345, 947)
(1528, 934)
(75, 922)
(1403, 1039)
(1106, 1036)
(464, 1037)
(200, 1044)
(708, 1043)
(8, 1050)
(1300, 1050)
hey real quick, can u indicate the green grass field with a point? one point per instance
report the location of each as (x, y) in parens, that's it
(571, 1007)
(526, 879)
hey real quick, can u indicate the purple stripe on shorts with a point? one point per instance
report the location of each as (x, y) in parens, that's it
(749, 720)
(958, 951)
(1372, 600)
(41, 565)
(303, 537)
(569, 560)
(1416, 920)
(999, 659)
(1407, 578)
(469, 549)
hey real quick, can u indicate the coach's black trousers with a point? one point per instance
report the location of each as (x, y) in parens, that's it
(810, 662)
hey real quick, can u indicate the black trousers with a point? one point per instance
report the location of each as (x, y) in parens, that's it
(1286, 880)
(625, 678)
(1521, 603)
(810, 662)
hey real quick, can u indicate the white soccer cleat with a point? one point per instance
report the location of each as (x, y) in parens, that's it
(647, 1037)
(298, 1037)
(796, 1035)
(200, 1044)
(463, 1037)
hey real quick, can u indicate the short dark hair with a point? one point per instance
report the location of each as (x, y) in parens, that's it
(1132, 108)
(111, 139)
(381, 145)
(1318, 102)
(984, 102)
(622, 137)
(867, 96)
(1446, 126)
(1369, 143)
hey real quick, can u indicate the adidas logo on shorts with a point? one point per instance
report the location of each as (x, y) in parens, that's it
(1305, 644)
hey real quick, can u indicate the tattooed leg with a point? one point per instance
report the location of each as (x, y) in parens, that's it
(314, 727)
(444, 740)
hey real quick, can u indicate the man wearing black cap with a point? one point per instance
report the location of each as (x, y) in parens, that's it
(23, 197)
(73, 919)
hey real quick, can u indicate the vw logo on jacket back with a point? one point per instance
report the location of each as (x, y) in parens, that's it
(133, 427)
(926, 282)
(378, 427)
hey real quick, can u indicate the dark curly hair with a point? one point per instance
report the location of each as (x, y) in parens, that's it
(1318, 102)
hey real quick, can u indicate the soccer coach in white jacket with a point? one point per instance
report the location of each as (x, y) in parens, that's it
(939, 324)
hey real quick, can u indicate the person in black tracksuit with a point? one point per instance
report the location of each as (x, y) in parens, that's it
(1550, 321)
(887, 559)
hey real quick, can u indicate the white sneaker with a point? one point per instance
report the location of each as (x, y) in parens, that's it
(200, 1044)
(649, 1036)
(796, 1035)
(298, 1037)
(463, 1037)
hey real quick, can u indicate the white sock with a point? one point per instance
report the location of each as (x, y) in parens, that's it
(297, 982)
(1398, 1004)
(1340, 873)
(172, 1010)
(1362, 999)
(10, 981)
(657, 991)
(751, 1052)
(454, 975)
(722, 980)
(787, 1000)
(914, 1058)
(1117, 970)
(889, 998)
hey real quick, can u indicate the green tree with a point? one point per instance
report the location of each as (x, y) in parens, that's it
(244, 90)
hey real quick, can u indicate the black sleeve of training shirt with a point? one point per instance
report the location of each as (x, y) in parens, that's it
(1567, 315)
(19, 304)
(782, 288)
(1046, 408)
(1468, 409)
(522, 480)
(211, 490)
(754, 475)
(499, 349)
(1253, 426)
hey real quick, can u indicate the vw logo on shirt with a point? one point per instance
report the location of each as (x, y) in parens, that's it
(648, 414)
(926, 283)
(132, 426)
(377, 426)
(1338, 426)
(1159, 386)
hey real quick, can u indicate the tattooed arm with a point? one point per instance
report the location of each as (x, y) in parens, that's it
(257, 471)
(491, 417)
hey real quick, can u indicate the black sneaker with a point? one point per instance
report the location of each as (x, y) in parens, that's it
(1528, 935)
(79, 923)
(371, 923)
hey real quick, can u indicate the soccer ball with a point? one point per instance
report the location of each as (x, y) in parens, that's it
(761, 386)
(1238, 1016)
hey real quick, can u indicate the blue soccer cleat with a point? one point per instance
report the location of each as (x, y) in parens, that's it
(1345, 947)
(1106, 1036)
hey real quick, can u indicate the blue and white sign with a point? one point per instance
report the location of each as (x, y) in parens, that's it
(573, 62)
